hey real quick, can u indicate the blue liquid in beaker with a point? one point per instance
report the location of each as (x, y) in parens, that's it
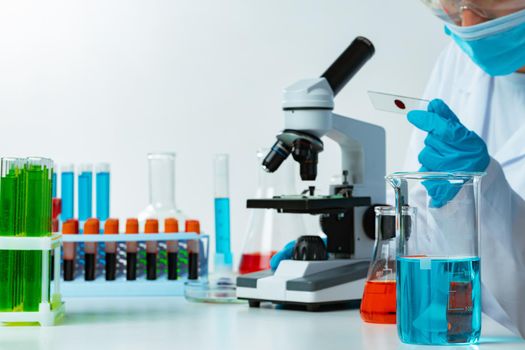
(85, 193)
(222, 229)
(102, 196)
(67, 192)
(438, 300)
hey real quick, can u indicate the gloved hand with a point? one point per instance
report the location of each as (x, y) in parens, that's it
(449, 147)
(284, 254)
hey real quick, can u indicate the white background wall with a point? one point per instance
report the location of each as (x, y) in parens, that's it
(110, 80)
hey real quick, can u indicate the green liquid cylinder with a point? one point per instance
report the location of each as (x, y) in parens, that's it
(10, 224)
(38, 224)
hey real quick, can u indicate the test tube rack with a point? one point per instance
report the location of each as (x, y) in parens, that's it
(161, 286)
(51, 307)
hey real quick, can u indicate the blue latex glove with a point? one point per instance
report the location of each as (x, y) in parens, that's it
(449, 147)
(284, 254)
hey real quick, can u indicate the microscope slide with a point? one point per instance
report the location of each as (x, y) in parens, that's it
(395, 103)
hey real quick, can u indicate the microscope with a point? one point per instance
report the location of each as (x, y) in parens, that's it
(333, 273)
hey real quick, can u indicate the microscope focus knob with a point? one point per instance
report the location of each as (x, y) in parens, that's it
(309, 248)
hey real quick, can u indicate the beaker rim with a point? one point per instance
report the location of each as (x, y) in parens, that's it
(435, 175)
(161, 155)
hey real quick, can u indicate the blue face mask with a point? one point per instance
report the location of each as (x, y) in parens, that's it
(496, 46)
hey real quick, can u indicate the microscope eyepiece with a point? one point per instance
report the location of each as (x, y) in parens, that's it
(276, 156)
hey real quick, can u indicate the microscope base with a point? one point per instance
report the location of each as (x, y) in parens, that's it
(312, 284)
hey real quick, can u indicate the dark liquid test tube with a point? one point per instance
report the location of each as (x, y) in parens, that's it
(132, 227)
(193, 265)
(173, 260)
(193, 226)
(89, 260)
(151, 227)
(69, 227)
(91, 227)
(131, 266)
(111, 228)
(171, 225)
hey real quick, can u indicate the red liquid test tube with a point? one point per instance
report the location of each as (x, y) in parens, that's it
(132, 227)
(193, 226)
(171, 225)
(91, 227)
(70, 227)
(111, 228)
(151, 227)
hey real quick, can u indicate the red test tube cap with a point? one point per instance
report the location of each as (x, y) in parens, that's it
(193, 226)
(132, 225)
(171, 225)
(92, 227)
(111, 226)
(70, 227)
(151, 226)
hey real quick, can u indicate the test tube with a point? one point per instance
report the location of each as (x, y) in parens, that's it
(193, 250)
(91, 227)
(171, 225)
(102, 184)
(111, 228)
(38, 202)
(54, 181)
(67, 192)
(85, 192)
(132, 227)
(70, 227)
(151, 227)
(223, 256)
(12, 198)
(57, 207)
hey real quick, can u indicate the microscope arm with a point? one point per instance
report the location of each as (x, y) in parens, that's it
(363, 155)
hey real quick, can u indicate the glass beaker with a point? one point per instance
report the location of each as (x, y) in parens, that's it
(438, 264)
(161, 190)
(379, 297)
(269, 231)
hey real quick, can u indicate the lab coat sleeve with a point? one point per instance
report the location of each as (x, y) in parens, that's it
(502, 216)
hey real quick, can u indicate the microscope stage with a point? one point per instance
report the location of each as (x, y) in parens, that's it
(309, 204)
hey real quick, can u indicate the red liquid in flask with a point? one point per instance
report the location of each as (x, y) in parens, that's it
(253, 262)
(379, 302)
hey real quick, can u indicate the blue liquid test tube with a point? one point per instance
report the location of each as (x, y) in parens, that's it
(223, 255)
(102, 171)
(54, 184)
(85, 192)
(67, 192)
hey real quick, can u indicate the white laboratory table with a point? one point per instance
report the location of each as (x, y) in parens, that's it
(174, 323)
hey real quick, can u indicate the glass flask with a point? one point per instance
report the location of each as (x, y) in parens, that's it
(379, 297)
(438, 263)
(161, 175)
(269, 231)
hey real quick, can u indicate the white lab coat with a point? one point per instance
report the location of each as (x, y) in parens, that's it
(495, 109)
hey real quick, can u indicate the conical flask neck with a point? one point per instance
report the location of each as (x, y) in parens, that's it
(162, 180)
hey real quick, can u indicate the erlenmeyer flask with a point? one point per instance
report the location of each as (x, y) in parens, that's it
(379, 296)
(268, 231)
(161, 189)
